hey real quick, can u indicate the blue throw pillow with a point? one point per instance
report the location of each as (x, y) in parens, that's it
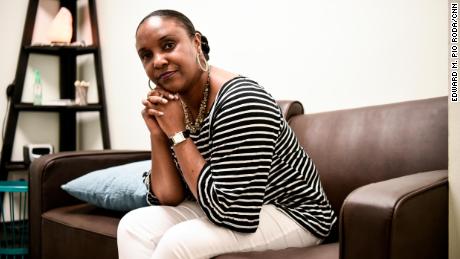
(118, 188)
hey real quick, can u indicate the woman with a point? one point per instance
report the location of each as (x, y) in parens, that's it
(228, 174)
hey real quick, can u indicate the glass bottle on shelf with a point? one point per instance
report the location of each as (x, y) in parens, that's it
(38, 89)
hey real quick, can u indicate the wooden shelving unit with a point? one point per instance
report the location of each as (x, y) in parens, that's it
(67, 75)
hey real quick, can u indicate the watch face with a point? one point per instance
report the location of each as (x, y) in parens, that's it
(179, 137)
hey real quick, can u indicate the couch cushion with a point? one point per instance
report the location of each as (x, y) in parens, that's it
(86, 217)
(118, 187)
(80, 229)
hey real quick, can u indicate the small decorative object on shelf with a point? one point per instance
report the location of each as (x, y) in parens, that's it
(81, 92)
(60, 31)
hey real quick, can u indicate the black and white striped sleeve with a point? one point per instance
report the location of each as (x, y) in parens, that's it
(150, 196)
(232, 184)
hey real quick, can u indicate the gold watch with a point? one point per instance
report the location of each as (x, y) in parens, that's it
(179, 137)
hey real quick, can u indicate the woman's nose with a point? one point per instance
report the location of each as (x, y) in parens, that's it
(159, 61)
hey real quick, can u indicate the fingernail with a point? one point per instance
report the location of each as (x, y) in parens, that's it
(164, 101)
(161, 113)
(171, 96)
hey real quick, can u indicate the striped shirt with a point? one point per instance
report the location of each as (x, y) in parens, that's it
(253, 158)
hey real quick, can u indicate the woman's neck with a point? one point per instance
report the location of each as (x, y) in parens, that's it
(194, 96)
(217, 79)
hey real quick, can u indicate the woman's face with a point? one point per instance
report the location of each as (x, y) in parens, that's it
(168, 53)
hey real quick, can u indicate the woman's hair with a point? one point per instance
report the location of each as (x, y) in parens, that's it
(186, 23)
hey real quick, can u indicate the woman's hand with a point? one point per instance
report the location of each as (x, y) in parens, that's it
(154, 98)
(170, 115)
(166, 111)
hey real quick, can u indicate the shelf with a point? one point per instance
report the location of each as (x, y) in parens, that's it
(16, 166)
(59, 50)
(57, 108)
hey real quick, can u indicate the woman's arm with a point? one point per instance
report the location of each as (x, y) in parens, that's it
(165, 180)
(168, 116)
(191, 162)
(232, 184)
(189, 158)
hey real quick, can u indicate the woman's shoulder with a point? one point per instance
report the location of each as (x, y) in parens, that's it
(239, 85)
(238, 88)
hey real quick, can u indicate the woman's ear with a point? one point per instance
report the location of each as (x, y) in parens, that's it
(197, 41)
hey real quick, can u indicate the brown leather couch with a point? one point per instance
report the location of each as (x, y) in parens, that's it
(384, 169)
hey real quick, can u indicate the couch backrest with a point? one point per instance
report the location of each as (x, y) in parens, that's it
(355, 147)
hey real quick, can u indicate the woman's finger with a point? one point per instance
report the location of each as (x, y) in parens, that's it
(162, 93)
(155, 112)
(147, 104)
(151, 105)
(151, 109)
(157, 100)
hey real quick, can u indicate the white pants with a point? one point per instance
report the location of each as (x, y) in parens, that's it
(184, 231)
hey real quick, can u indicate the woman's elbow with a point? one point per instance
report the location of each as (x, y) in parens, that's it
(170, 198)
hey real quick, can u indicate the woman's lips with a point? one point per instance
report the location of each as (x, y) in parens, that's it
(167, 75)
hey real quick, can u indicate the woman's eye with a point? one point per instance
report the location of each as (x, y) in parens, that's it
(169, 45)
(145, 56)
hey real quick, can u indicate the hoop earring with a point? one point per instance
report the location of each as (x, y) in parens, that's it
(148, 82)
(204, 67)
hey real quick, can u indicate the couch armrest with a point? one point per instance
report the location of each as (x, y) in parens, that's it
(404, 217)
(290, 108)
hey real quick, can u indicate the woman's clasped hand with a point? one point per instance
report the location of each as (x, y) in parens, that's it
(163, 112)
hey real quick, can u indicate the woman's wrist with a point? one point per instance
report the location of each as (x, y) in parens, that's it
(158, 136)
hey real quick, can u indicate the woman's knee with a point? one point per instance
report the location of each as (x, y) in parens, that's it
(133, 241)
(142, 223)
(180, 242)
(151, 222)
(127, 225)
